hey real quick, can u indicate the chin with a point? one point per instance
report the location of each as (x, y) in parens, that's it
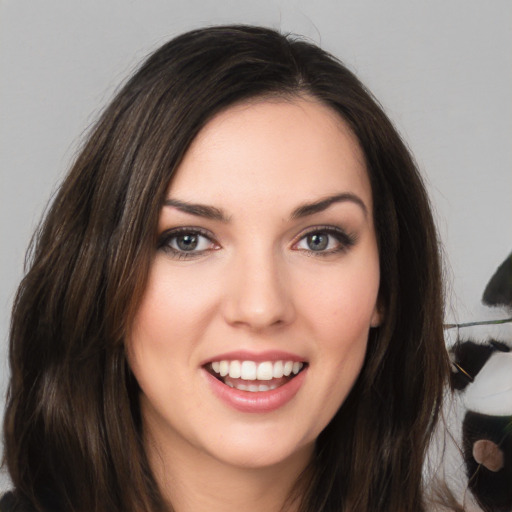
(270, 452)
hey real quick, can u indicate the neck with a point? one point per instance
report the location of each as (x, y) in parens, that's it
(193, 481)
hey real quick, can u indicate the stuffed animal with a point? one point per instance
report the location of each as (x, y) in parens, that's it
(482, 373)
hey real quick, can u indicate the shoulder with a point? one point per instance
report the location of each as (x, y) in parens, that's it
(9, 502)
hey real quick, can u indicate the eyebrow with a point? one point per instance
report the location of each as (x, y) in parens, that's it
(321, 205)
(304, 210)
(199, 210)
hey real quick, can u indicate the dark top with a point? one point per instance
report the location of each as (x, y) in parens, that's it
(10, 503)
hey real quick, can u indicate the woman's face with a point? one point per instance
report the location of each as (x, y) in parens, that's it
(266, 264)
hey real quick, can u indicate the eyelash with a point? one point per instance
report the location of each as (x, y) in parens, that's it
(344, 241)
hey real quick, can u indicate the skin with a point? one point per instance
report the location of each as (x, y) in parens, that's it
(254, 283)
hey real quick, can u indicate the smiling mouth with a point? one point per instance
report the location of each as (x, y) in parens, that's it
(255, 376)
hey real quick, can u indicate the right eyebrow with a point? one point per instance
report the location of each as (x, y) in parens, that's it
(199, 210)
(321, 205)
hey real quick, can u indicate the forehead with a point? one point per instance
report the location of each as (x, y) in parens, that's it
(272, 150)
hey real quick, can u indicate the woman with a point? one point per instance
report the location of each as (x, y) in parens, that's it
(234, 302)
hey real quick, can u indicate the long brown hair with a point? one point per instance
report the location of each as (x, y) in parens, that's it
(72, 425)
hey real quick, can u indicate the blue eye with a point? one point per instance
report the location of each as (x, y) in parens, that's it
(185, 242)
(328, 240)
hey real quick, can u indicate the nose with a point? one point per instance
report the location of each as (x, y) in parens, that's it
(258, 293)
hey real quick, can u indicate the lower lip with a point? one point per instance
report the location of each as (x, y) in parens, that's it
(258, 401)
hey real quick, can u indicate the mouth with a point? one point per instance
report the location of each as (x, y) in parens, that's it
(255, 376)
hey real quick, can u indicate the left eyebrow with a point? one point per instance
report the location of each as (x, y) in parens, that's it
(321, 205)
(199, 210)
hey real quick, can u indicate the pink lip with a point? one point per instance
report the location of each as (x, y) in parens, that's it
(257, 402)
(244, 355)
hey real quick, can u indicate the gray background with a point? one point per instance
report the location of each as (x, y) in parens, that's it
(441, 68)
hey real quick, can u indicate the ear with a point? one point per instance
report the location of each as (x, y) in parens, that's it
(377, 316)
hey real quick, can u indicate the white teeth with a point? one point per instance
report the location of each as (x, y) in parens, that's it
(250, 370)
(264, 371)
(234, 369)
(297, 367)
(224, 368)
(253, 388)
(277, 371)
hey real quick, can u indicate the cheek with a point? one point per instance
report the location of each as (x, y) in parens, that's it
(174, 304)
(165, 331)
(340, 303)
(339, 314)
(160, 323)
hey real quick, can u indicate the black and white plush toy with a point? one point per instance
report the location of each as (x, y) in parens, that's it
(483, 373)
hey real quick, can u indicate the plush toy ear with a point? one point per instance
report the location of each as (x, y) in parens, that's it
(498, 291)
(489, 454)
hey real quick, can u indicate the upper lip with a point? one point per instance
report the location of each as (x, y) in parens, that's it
(258, 357)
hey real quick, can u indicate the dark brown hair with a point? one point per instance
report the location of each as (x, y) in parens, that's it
(72, 425)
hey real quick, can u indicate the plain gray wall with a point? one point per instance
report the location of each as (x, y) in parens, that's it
(441, 68)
